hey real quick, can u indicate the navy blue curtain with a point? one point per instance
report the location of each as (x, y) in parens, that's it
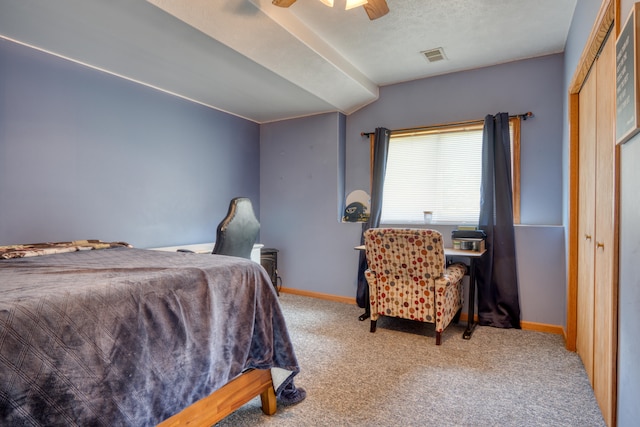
(380, 154)
(496, 272)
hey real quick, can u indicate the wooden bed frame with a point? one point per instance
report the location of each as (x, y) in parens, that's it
(222, 402)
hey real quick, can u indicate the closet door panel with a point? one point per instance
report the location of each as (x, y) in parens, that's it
(586, 218)
(605, 315)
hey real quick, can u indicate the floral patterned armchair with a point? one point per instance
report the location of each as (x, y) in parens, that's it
(408, 278)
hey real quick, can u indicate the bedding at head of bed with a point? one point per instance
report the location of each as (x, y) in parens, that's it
(38, 249)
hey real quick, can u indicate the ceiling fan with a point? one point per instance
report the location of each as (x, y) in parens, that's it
(374, 8)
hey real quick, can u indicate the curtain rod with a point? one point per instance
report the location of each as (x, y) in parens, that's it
(523, 116)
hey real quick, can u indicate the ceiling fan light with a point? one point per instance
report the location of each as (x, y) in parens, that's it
(328, 2)
(354, 3)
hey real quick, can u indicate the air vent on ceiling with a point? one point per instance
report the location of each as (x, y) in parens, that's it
(434, 55)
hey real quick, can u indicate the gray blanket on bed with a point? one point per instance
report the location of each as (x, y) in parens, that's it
(129, 337)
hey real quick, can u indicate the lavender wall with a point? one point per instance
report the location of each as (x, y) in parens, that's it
(318, 253)
(88, 155)
(583, 19)
(301, 188)
(531, 85)
(84, 154)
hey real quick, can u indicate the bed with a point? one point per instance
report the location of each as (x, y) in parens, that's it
(95, 333)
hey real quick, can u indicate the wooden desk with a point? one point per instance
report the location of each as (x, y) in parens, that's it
(449, 253)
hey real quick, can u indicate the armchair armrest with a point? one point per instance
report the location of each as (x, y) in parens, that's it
(452, 274)
(370, 275)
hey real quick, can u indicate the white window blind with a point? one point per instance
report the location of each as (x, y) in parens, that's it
(438, 172)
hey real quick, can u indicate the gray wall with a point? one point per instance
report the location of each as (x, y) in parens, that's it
(84, 154)
(317, 253)
(629, 291)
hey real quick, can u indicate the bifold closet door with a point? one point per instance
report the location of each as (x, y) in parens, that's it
(586, 222)
(605, 241)
(596, 329)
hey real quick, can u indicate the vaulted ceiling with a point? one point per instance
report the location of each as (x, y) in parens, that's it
(266, 63)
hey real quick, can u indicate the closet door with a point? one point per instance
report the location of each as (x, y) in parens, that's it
(586, 222)
(606, 253)
(596, 331)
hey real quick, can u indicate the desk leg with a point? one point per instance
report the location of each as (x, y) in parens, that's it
(471, 323)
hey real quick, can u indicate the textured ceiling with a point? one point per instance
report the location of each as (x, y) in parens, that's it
(264, 63)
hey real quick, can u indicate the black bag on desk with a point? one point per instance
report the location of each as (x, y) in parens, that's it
(468, 234)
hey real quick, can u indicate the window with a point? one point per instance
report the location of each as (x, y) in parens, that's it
(438, 169)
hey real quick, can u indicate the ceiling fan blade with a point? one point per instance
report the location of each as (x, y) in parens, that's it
(376, 8)
(283, 3)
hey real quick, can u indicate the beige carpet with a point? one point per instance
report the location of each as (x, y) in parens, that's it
(399, 377)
